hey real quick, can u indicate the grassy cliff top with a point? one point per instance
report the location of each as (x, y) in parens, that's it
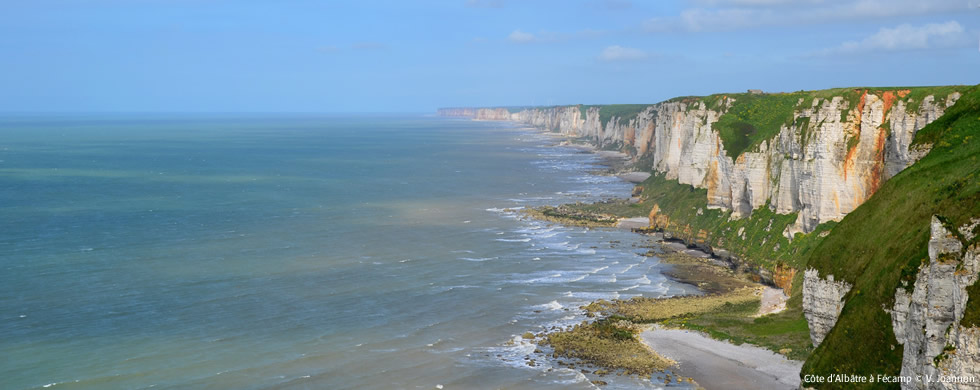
(884, 241)
(753, 118)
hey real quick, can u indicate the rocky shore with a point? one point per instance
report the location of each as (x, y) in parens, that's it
(663, 338)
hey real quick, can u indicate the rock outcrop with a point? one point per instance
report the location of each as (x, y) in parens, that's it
(823, 300)
(927, 320)
(832, 157)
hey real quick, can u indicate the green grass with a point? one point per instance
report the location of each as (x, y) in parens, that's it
(971, 316)
(885, 239)
(681, 202)
(918, 94)
(756, 118)
(875, 248)
(753, 119)
(786, 330)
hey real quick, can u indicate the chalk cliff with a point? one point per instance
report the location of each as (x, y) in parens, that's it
(480, 114)
(832, 155)
(823, 299)
(927, 321)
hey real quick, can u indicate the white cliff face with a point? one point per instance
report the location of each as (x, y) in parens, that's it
(823, 300)
(927, 321)
(823, 166)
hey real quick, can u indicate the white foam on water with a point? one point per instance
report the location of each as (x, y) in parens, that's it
(553, 305)
(478, 259)
(585, 275)
(512, 239)
(578, 377)
(595, 295)
(628, 268)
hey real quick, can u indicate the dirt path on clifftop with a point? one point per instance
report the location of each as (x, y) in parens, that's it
(718, 365)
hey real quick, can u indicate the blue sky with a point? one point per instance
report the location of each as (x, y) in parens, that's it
(415, 56)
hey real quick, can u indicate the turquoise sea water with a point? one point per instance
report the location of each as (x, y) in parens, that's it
(295, 252)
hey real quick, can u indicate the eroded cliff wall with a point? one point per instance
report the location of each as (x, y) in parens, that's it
(823, 300)
(830, 157)
(927, 320)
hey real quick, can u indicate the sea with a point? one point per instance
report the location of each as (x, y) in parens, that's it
(299, 251)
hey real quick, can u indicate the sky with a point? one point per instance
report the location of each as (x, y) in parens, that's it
(415, 56)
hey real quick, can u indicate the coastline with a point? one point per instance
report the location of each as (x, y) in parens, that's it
(715, 364)
(706, 361)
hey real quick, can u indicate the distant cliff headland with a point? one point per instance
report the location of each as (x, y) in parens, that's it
(862, 203)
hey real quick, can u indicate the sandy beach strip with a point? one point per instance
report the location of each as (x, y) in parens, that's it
(717, 364)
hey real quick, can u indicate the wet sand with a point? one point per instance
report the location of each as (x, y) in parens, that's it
(720, 365)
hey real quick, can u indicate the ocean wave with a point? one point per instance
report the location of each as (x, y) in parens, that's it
(478, 258)
(595, 295)
(505, 210)
(512, 239)
(577, 377)
(585, 275)
(553, 305)
(627, 269)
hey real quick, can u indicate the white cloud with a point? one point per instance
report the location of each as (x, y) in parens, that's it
(520, 37)
(619, 53)
(908, 37)
(727, 15)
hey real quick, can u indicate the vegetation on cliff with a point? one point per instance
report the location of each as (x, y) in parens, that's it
(882, 243)
(877, 248)
(753, 118)
(729, 311)
(683, 212)
(749, 119)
